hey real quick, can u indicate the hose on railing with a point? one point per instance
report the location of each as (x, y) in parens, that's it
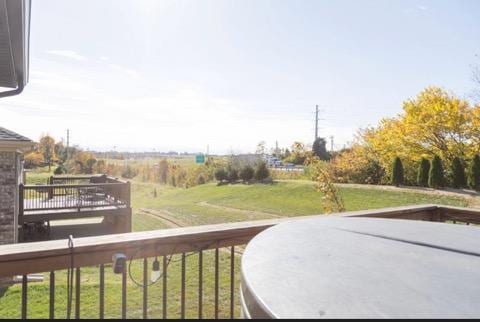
(169, 260)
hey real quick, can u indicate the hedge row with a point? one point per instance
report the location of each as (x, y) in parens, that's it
(432, 173)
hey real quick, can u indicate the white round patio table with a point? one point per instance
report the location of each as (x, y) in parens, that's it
(362, 268)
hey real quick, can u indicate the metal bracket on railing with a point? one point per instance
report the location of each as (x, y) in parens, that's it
(119, 263)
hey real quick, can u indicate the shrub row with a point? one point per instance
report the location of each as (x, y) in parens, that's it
(245, 173)
(432, 173)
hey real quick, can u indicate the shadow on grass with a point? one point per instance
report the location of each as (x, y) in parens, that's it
(3, 289)
(268, 181)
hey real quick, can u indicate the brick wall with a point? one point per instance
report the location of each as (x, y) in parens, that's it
(7, 197)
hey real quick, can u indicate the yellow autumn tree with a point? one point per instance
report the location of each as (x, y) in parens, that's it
(359, 163)
(46, 146)
(433, 123)
(33, 159)
(474, 133)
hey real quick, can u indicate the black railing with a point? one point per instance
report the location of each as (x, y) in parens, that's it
(198, 268)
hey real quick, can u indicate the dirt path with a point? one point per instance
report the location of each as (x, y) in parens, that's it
(166, 216)
(240, 211)
(472, 197)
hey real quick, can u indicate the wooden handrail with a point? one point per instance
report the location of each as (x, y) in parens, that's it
(87, 177)
(80, 177)
(38, 257)
(73, 186)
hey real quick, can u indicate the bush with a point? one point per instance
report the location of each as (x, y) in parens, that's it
(221, 174)
(201, 180)
(355, 165)
(60, 170)
(436, 176)
(129, 172)
(423, 170)
(247, 173)
(232, 174)
(458, 174)
(261, 172)
(397, 172)
(474, 174)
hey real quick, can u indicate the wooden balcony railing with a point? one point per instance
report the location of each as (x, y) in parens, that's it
(205, 259)
(79, 179)
(69, 197)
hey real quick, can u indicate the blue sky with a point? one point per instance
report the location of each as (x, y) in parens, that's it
(181, 75)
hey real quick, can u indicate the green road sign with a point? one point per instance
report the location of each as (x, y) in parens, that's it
(199, 158)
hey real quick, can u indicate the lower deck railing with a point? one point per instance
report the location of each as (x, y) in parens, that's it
(197, 276)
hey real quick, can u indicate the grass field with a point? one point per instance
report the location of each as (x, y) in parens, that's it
(209, 204)
(39, 175)
(206, 204)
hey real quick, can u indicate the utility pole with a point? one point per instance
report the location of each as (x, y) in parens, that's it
(331, 143)
(316, 123)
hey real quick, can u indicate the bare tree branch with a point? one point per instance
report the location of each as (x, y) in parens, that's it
(476, 80)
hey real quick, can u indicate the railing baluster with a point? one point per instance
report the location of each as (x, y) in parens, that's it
(102, 293)
(145, 288)
(182, 297)
(200, 285)
(52, 295)
(24, 296)
(164, 290)
(232, 282)
(124, 294)
(77, 293)
(216, 283)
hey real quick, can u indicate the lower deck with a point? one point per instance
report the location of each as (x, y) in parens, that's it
(56, 211)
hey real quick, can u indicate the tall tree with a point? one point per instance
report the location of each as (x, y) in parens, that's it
(46, 146)
(261, 148)
(60, 151)
(299, 153)
(436, 176)
(397, 172)
(474, 173)
(423, 170)
(433, 123)
(458, 174)
(163, 171)
(319, 149)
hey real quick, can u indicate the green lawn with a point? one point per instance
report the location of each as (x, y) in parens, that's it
(39, 175)
(286, 198)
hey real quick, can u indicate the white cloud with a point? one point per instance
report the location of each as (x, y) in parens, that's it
(104, 58)
(67, 54)
(422, 8)
(128, 71)
(103, 109)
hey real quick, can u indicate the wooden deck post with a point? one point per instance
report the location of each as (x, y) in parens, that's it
(21, 203)
(128, 194)
(50, 190)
